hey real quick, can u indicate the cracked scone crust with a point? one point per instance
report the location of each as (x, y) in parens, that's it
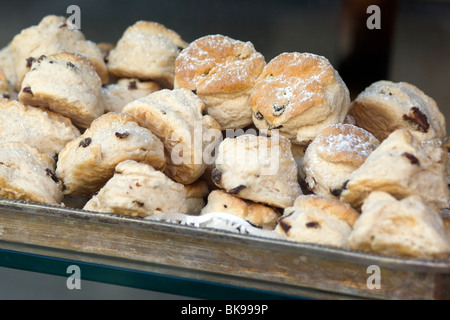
(258, 168)
(406, 228)
(333, 155)
(175, 116)
(27, 174)
(320, 220)
(86, 163)
(299, 94)
(138, 190)
(147, 51)
(65, 83)
(45, 130)
(222, 71)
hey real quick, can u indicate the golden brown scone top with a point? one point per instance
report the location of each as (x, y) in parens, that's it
(218, 64)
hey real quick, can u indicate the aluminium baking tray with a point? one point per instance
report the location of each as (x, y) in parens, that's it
(215, 255)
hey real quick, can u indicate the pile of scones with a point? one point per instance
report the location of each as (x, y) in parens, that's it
(102, 122)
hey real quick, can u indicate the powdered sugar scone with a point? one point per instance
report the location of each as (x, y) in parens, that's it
(196, 194)
(147, 50)
(27, 174)
(257, 214)
(175, 116)
(52, 36)
(222, 71)
(115, 96)
(299, 94)
(138, 190)
(65, 83)
(45, 130)
(317, 219)
(258, 168)
(400, 166)
(406, 228)
(86, 163)
(333, 155)
(385, 106)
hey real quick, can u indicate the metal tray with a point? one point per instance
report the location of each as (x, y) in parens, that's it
(215, 255)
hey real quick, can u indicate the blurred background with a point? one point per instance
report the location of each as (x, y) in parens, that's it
(412, 45)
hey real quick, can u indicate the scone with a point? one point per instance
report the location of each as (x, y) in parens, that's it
(258, 168)
(65, 83)
(4, 85)
(8, 66)
(86, 163)
(401, 166)
(27, 174)
(333, 155)
(406, 228)
(257, 214)
(138, 190)
(222, 72)
(196, 194)
(385, 106)
(147, 51)
(299, 94)
(115, 96)
(175, 116)
(319, 220)
(42, 129)
(52, 36)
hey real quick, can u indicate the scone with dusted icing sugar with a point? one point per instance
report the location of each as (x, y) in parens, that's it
(385, 106)
(138, 190)
(406, 228)
(222, 71)
(319, 220)
(299, 94)
(257, 214)
(42, 129)
(115, 96)
(52, 36)
(86, 163)
(333, 155)
(400, 166)
(196, 194)
(147, 51)
(65, 83)
(27, 174)
(258, 168)
(175, 116)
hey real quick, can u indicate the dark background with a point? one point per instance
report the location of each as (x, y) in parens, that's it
(413, 44)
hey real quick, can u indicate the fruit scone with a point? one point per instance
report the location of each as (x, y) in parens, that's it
(147, 51)
(43, 129)
(222, 72)
(28, 174)
(86, 163)
(52, 36)
(299, 94)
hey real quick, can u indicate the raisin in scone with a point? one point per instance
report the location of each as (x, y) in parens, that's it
(175, 116)
(115, 96)
(138, 190)
(385, 106)
(333, 155)
(147, 50)
(299, 94)
(319, 220)
(257, 214)
(86, 163)
(27, 174)
(222, 71)
(45, 130)
(52, 36)
(406, 228)
(400, 166)
(65, 83)
(258, 168)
